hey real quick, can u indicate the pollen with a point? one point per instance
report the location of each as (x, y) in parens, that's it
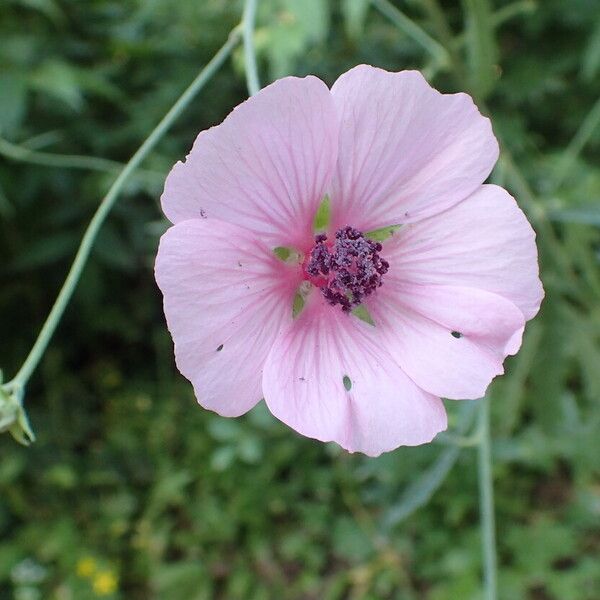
(347, 270)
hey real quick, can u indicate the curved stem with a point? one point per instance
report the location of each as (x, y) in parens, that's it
(249, 50)
(107, 203)
(577, 144)
(412, 30)
(486, 504)
(65, 161)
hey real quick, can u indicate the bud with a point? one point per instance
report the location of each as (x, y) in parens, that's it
(13, 417)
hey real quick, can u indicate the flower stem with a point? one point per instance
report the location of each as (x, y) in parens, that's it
(486, 503)
(412, 30)
(67, 161)
(89, 237)
(249, 50)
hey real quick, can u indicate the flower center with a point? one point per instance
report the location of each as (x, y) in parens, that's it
(347, 269)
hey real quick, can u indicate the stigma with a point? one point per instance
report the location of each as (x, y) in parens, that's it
(347, 269)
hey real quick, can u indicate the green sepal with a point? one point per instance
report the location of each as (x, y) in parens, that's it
(383, 233)
(323, 214)
(297, 305)
(13, 417)
(288, 255)
(282, 253)
(363, 314)
(302, 293)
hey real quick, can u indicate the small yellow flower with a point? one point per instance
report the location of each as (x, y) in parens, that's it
(86, 567)
(104, 583)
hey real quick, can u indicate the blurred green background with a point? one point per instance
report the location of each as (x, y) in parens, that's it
(132, 490)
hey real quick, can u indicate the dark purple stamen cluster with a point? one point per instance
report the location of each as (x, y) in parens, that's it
(352, 266)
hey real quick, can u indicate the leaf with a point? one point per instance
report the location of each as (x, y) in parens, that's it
(46, 7)
(58, 79)
(420, 492)
(46, 251)
(293, 28)
(586, 216)
(350, 541)
(6, 208)
(591, 57)
(13, 101)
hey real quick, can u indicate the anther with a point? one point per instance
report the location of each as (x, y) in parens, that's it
(350, 268)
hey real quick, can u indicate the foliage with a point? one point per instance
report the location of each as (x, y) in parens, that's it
(131, 486)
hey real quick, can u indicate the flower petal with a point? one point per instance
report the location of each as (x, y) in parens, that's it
(265, 167)
(226, 298)
(327, 378)
(484, 242)
(450, 340)
(406, 151)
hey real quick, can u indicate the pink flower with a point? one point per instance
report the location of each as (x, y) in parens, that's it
(447, 295)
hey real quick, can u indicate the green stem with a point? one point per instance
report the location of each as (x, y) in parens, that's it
(249, 50)
(65, 161)
(486, 503)
(107, 203)
(577, 144)
(412, 30)
(446, 37)
(501, 16)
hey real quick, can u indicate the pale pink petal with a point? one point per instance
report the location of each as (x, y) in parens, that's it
(226, 298)
(484, 242)
(303, 384)
(450, 340)
(266, 167)
(406, 151)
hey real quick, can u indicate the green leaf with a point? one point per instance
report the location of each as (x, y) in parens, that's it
(591, 57)
(292, 29)
(13, 101)
(383, 233)
(421, 491)
(323, 215)
(58, 79)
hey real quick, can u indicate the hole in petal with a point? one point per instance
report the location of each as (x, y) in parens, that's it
(219, 348)
(347, 383)
(457, 334)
